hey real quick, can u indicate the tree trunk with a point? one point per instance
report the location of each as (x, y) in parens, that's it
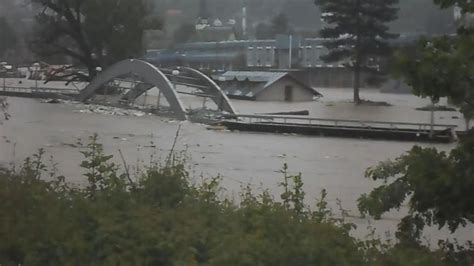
(356, 84)
(468, 123)
(432, 118)
(358, 56)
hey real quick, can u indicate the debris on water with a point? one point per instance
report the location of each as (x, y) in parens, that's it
(217, 128)
(302, 113)
(455, 117)
(52, 101)
(116, 137)
(436, 108)
(69, 145)
(139, 114)
(108, 110)
(124, 139)
(149, 146)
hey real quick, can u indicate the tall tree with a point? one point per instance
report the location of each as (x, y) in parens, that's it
(443, 66)
(357, 33)
(7, 37)
(93, 33)
(437, 185)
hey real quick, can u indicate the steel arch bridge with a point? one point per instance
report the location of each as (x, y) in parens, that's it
(151, 77)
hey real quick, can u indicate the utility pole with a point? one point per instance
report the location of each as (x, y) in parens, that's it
(290, 53)
(4, 72)
(203, 10)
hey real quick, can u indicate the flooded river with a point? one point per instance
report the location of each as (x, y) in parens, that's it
(334, 164)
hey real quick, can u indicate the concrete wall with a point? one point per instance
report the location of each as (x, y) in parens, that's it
(276, 92)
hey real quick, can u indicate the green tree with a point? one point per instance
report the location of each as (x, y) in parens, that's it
(466, 5)
(92, 33)
(8, 37)
(437, 185)
(357, 32)
(442, 67)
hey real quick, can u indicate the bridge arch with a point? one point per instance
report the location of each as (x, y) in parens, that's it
(148, 73)
(218, 96)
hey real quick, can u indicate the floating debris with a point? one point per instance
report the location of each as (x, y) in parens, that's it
(108, 110)
(437, 108)
(52, 101)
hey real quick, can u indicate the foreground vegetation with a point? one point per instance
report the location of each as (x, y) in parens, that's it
(159, 217)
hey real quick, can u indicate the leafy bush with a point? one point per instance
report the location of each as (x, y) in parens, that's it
(159, 218)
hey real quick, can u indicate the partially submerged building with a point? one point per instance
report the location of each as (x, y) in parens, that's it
(265, 86)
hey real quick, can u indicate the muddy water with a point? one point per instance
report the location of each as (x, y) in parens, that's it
(334, 164)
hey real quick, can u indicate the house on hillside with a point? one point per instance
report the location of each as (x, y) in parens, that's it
(265, 86)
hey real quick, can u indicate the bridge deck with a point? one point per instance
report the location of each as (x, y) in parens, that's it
(32, 92)
(342, 128)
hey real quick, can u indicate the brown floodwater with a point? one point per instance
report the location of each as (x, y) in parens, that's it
(334, 164)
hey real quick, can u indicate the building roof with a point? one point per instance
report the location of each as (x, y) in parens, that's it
(259, 81)
(254, 76)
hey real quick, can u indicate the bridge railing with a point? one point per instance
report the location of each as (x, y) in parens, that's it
(31, 90)
(339, 122)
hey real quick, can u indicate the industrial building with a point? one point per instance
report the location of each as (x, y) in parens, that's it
(300, 56)
(265, 86)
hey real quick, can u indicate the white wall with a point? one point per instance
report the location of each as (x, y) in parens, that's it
(276, 92)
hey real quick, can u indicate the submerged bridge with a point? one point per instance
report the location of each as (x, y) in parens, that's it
(134, 78)
(33, 92)
(402, 131)
(125, 82)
